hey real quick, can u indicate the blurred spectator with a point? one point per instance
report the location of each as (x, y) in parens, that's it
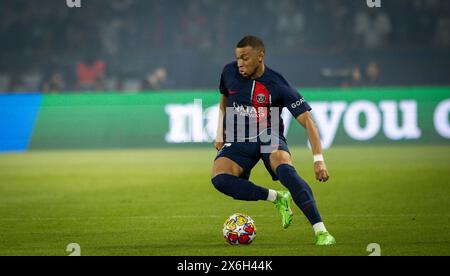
(155, 80)
(291, 25)
(442, 35)
(91, 74)
(222, 26)
(196, 37)
(54, 83)
(194, 25)
(355, 80)
(372, 28)
(15, 83)
(341, 24)
(319, 26)
(373, 73)
(110, 36)
(4, 82)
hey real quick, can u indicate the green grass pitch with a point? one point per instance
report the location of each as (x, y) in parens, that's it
(161, 202)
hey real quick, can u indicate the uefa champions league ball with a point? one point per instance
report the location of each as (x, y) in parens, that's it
(239, 229)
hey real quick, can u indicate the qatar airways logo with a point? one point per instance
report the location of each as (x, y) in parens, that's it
(238, 129)
(249, 111)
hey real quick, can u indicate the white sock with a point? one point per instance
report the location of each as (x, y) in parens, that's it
(319, 227)
(272, 196)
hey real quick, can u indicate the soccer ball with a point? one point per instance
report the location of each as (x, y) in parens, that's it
(239, 229)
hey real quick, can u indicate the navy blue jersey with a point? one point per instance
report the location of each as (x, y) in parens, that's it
(256, 99)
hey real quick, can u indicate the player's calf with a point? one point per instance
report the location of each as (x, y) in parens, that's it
(303, 197)
(300, 191)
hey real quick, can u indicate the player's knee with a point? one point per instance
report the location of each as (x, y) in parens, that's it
(279, 158)
(226, 166)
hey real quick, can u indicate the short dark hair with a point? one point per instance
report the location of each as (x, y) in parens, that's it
(252, 41)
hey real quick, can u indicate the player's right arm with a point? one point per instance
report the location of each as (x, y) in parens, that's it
(320, 169)
(300, 109)
(218, 143)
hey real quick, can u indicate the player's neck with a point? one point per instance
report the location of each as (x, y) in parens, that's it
(259, 72)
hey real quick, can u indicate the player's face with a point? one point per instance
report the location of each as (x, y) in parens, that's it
(248, 60)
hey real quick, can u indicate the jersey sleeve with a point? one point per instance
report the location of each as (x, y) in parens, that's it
(293, 101)
(223, 89)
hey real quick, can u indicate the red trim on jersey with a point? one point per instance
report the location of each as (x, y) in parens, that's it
(261, 98)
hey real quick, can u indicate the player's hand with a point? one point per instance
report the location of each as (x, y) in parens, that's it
(321, 171)
(218, 145)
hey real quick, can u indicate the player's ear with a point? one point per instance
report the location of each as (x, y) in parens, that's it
(261, 55)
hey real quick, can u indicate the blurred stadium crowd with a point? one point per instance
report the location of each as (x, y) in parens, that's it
(137, 45)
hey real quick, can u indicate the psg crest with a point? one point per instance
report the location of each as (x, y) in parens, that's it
(261, 98)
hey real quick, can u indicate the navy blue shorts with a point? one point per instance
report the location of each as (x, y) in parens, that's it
(248, 154)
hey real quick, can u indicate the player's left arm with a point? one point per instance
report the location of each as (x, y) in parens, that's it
(320, 169)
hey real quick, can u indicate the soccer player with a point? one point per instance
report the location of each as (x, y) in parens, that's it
(255, 93)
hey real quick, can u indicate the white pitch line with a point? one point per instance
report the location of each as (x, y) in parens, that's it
(210, 216)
